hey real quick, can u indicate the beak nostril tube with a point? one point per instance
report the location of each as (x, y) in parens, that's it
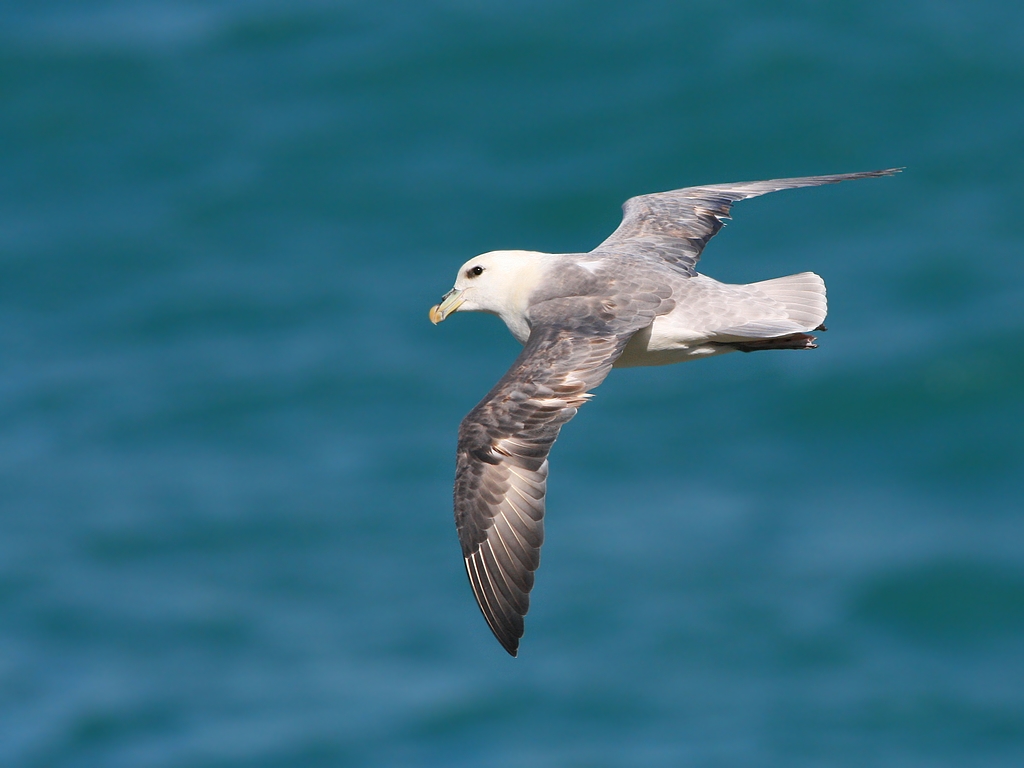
(450, 302)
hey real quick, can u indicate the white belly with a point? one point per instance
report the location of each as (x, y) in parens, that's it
(663, 344)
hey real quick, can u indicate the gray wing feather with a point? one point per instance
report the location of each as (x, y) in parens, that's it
(677, 225)
(502, 465)
(502, 468)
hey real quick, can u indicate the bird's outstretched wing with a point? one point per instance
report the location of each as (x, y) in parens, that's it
(677, 225)
(502, 465)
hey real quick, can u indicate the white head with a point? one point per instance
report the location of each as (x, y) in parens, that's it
(499, 282)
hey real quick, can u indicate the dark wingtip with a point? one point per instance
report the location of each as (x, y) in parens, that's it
(510, 644)
(869, 174)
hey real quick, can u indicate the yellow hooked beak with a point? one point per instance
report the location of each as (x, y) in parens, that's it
(450, 302)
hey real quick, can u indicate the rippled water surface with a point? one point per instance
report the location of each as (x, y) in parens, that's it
(227, 428)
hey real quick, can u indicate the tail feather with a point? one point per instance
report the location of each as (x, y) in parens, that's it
(778, 307)
(803, 296)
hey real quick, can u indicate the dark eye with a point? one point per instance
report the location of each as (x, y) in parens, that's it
(475, 271)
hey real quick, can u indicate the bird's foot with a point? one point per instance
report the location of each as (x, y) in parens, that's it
(790, 341)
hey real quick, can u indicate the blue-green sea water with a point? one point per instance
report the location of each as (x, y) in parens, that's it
(227, 428)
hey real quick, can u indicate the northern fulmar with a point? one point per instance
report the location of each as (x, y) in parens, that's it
(636, 299)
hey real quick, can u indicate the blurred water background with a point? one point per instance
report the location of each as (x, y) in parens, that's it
(227, 428)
